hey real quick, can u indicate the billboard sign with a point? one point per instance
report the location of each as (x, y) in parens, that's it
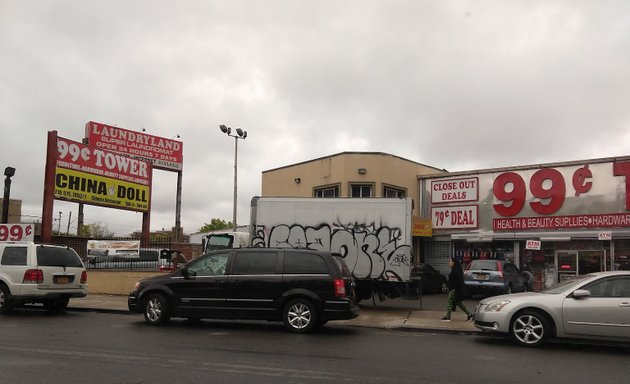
(162, 153)
(91, 175)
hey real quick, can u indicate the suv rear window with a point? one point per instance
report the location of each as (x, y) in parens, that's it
(484, 265)
(304, 263)
(57, 257)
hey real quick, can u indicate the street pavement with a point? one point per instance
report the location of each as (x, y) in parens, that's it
(417, 314)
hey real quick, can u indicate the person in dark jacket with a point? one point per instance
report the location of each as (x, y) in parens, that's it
(456, 290)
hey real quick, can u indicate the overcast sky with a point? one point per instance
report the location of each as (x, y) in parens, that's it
(455, 84)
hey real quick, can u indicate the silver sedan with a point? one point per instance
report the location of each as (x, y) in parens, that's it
(594, 307)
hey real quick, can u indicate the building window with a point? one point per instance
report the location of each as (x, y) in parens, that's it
(361, 190)
(330, 191)
(393, 192)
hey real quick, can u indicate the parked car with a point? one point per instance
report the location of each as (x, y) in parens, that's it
(37, 273)
(302, 288)
(429, 279)
(594, 307)
(494, 277)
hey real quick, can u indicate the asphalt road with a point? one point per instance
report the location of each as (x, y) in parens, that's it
(90, 347)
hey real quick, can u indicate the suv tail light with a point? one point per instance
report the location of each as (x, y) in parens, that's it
(340, 288)
(83, 277)
(33, 276)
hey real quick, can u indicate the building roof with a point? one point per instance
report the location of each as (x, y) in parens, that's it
(353, 153)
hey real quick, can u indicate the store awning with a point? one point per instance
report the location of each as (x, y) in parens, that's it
(477, 237)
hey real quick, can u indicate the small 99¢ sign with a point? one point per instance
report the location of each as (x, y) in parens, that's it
(17, 232)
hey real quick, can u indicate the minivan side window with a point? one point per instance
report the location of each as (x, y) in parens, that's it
(254, 263)
(209, 265)
(304, 263)
(14, 256)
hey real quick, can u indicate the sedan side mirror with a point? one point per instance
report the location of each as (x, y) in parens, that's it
(581, 294)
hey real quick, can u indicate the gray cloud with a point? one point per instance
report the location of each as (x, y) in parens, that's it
(452, 84)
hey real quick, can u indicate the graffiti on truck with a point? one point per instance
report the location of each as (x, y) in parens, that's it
(370, 251)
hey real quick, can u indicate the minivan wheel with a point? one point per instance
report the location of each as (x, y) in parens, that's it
(156, 309)
(5, 299)
(300, 316)
(530, 328)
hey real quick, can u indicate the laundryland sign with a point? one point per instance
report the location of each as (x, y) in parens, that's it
(163, 153)
(88, 188)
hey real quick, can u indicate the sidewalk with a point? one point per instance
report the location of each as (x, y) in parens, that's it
(411, 315)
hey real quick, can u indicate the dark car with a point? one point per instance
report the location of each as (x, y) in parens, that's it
(494, 277)
(303, 288)
(429, 279)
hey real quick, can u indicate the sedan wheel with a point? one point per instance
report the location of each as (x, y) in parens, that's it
(300, 316)
(444, 287)
(530, 328)
(156, 310)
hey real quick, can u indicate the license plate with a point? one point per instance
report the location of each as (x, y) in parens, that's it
(481, 277)
(62, 280)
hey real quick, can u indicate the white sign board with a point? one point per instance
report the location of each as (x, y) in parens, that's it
(451, 217)
(454, 190)
(605, 235)
(533, 245)
(17, 232)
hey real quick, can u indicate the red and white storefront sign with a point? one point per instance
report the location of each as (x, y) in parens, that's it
(610, 220)
(460, 217)
(455, 190)
(588, 194)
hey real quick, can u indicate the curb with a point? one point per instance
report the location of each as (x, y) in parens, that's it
(401, 328)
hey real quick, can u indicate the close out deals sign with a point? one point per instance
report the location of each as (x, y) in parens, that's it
(95, 176)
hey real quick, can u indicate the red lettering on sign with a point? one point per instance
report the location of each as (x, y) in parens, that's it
(623, 169)
(514, 199)
(555, 193)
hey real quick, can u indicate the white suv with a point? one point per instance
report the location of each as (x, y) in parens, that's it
(36, 273)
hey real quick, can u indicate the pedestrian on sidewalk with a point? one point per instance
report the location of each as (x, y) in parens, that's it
(456, 290)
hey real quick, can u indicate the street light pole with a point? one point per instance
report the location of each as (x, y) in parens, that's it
(240, 134)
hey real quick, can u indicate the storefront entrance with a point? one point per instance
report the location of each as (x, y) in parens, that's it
(573, 263)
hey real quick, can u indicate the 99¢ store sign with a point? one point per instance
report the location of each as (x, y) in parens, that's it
(17, 232)
(563, 197)
(551, 188)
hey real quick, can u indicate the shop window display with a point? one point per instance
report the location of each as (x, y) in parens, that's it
(497, 250)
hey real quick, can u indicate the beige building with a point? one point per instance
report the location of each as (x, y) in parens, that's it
(15, 210)
(348, 174)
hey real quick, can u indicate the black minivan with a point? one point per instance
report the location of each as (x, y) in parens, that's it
(303, 288)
